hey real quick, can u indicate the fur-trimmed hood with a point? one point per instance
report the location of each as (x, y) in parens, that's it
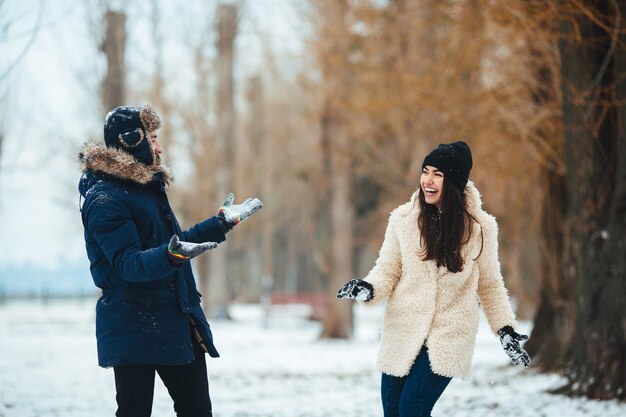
(97, 158)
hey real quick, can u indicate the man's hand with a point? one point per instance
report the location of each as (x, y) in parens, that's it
(234, 214)
(357, 289)
(180, 252)
(510, 343)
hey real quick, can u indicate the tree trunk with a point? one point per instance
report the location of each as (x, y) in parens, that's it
(263, 146)
(260, 175)
(113, 86)
(225, 136)
(157, 94)
(593, 111)
(199, 199)
(555, 316)
(554, 320)
(335, 43)
(338, 319)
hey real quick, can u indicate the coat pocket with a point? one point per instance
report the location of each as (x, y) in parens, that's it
(148, 298)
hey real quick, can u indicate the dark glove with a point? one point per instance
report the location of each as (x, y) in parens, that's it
(510, 343)
(234, 214)
(357, 289)
(180, 252)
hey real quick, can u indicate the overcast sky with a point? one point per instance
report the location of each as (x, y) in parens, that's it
(49, 106)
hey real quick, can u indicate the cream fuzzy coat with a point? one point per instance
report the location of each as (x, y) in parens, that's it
(427, 304)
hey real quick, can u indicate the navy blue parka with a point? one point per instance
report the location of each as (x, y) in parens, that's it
(149, 308)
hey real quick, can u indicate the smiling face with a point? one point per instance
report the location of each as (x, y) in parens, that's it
(431, 183)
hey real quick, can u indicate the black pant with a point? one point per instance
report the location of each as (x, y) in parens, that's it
(415, 394)
(188, 386)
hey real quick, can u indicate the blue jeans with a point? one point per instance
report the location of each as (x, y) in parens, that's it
(415, 394)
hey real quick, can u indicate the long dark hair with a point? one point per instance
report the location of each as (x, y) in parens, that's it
(442, 233)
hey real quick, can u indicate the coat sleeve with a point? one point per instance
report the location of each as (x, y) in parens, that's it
(111, 224)
(209, 230)
(492, 293)
(388, 267)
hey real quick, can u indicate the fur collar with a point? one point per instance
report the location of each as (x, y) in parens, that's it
(119, 164)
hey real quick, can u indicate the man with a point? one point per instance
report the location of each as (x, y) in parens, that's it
(148, 318)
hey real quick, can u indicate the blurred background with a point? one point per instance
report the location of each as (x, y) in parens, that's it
(325, 109)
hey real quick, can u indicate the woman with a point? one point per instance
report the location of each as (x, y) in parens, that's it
(439, 259)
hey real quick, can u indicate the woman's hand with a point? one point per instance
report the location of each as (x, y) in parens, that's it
(357, 289)
(510, 343)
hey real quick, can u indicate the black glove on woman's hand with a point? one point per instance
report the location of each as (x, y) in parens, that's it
(357, 289)
(510, 343)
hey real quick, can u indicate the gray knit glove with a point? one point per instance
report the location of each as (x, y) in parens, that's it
(234, 214)
(180, 251)
(357, 289)
(510, 343)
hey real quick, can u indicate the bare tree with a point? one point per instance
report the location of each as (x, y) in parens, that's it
(113, 46)
(555, 315)
(333, 49)
(259, 175)
(157, 94)
(593, 57)
(224, 149)
(338, 321)
(6, 24)
(577, 55)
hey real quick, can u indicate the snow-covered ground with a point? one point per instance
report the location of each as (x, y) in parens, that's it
(48, 368)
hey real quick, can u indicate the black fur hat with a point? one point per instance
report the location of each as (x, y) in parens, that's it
(454, 160)
(127, 128)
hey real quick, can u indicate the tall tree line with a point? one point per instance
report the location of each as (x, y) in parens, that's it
(578, 324)
(535, 87)
(593, 57)
(407, 75)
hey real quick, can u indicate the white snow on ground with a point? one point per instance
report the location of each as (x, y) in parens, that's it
(48, 367)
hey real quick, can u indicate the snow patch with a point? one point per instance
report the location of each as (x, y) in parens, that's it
(48, 367)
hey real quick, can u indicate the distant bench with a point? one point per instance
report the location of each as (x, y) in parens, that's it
(314, 300)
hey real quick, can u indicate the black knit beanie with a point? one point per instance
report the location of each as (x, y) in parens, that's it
(127, 128)
(454, 160)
